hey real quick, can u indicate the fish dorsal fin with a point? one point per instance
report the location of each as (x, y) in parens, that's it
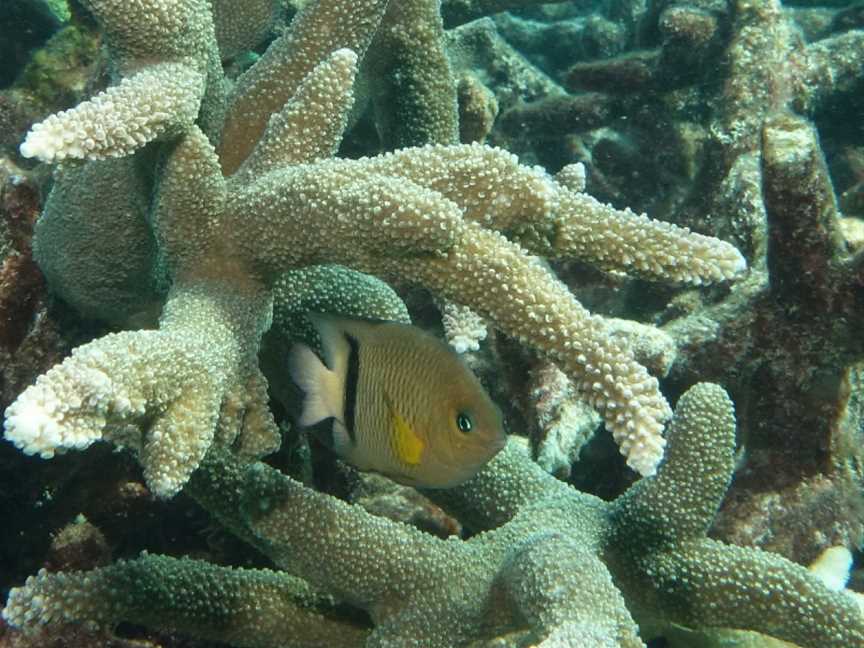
(406, 442)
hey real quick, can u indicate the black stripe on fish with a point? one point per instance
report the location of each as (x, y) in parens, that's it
(323, 430)
(352, 375)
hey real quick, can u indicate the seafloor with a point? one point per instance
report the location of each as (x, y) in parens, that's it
(738, 119)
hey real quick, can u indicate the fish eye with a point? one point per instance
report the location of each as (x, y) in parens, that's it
(463, 422)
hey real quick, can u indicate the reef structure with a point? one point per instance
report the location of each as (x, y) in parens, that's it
(245, 189)
(572, 569)
(754, 151)
(242, 196)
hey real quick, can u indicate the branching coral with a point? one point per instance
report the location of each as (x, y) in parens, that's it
(241, 27)
(456, 12)
(413, 92)
(789, 336)
(753, 150)
(152, 99)
(550, 559)
(431, 214)
(244, 189)
(793, 335)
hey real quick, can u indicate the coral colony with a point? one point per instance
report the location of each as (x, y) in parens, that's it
(228, 208)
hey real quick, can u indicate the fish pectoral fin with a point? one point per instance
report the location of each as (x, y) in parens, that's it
(407, 444)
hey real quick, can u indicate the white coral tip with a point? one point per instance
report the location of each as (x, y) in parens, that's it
(645, 455)
(40, 143)
(739, 264)
(345, 54)
(30, 426)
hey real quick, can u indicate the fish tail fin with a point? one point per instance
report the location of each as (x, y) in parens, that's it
(321, 387)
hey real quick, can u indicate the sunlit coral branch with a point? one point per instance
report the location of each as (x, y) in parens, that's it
(425, 214)
(264, 89)
(188, 380)
(163, 53)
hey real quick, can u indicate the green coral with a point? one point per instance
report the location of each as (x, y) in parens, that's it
(565, 565)
(244, 607)
(60, 8)
(215, 193)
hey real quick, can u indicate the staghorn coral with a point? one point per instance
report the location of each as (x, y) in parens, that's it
(413, 92)
(463, 328)
(318, 29)
(463, 221)
(102, 277)
(562, 563)
(752, 150)
(792, 330)
(559, 422)
(331, 289)
(230, 605)
(663, 80)
(478, 109)
(430, 214)
(241, 27)
(562, 423)
(152, 99)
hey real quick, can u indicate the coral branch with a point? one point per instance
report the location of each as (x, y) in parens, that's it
(567, 564)
(158, 392)
(118, 122)
(799, 203)
(706, 583)
(249, 608)
(319, 29)
(499, 281)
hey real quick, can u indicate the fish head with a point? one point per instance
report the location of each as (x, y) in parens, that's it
(468, 432)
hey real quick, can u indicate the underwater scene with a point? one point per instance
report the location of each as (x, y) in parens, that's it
(432, 324)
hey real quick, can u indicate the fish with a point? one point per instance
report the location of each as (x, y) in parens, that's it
(390, 398)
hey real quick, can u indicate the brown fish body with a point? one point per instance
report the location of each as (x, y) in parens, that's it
(400, 401)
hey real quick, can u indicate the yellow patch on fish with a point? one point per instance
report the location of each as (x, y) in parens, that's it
(406, 442)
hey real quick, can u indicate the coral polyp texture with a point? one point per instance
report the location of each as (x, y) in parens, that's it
(560, 566)
(436, 215)
(203, 210)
